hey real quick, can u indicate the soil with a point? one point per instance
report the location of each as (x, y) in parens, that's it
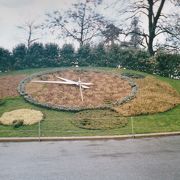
(106, 88)
(9, 84)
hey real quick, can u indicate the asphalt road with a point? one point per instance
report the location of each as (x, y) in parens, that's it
(133, 159)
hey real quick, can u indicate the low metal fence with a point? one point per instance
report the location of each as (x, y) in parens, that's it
(136, 125)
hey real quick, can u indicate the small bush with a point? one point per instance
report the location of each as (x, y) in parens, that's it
(17, 123)
(5, 60)
(2, 102)
(168, 65)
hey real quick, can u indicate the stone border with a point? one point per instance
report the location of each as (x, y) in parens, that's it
(22, 92)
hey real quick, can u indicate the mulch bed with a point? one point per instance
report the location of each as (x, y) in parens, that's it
(9, 84)
(106, 88)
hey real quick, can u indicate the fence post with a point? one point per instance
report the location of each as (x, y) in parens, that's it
(39, 131)
(132, 127)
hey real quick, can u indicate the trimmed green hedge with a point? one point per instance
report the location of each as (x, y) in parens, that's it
(50, 55)
(168, 65)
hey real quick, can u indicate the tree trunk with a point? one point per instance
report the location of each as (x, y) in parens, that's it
(150, 46)
(153, 20)
(151, 28)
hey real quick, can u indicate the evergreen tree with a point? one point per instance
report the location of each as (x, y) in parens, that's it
(5, 60)
(84, 55)
(35, 56)
(51, 54)
(99, 56)
(67, 55)
(19, 56)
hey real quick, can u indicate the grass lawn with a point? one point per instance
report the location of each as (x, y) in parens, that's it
(58, 123)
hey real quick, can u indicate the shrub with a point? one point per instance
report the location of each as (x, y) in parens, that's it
(98, 56)
(35, 56)
(128, 58)
(19, 56)
(168, 65)
(84, 55)
(67, 55)
(51, 55)
(5, 60)
(2, 101)
(17, 123)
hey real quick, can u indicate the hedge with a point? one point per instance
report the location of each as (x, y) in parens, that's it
(50, 55)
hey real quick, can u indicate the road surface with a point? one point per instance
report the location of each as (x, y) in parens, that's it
(133, 159)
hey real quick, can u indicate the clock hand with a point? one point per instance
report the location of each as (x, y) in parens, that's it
(61, 82)
(54, 82)
(67, 80)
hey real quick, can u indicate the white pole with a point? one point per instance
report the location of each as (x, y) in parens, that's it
(39, 131)
(132, 126)
(80, 88)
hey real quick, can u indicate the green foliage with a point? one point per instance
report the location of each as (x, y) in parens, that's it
(17, 123)
(67, 55)
(168, 65)
(19, 56)
(5, 60)
(51, 55)
(114, 56)
(84, 55)
(35, 56)
(98, 56)
(2, 101)
(127, 58)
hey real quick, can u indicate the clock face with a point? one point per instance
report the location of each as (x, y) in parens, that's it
(103, 89)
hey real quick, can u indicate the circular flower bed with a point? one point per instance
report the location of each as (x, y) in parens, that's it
(21, 116)
(107, 90)
(99, 120)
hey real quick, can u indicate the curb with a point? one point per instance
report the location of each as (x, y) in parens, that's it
(85, 138)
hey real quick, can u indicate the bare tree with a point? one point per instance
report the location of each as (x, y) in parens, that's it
(153, 10)
(80, 23)
(30, 29)
(173, 33)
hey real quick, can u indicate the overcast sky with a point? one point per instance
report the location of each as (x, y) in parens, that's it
(16, 12)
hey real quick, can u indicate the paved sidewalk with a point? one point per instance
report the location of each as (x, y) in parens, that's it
(130, 159)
